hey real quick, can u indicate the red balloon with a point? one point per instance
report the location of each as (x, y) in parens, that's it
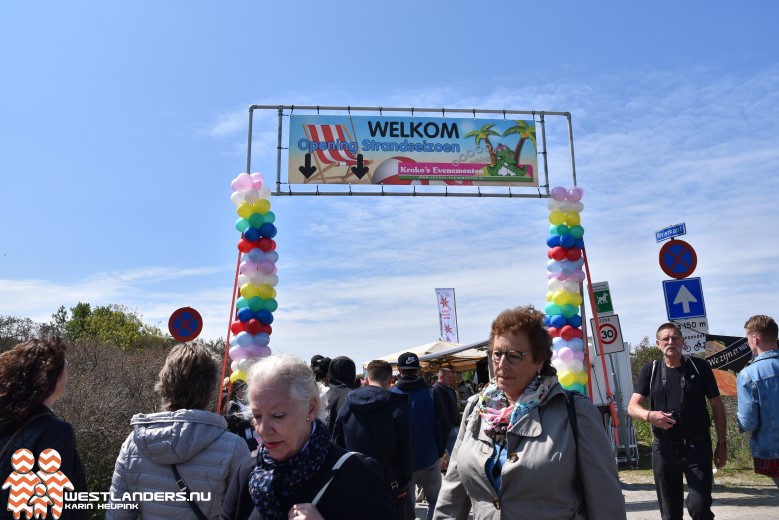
(577, 333)
(244, 246)
(558, 253)
(573, 254)
(549, 253)
(267, 329)
(237, 326)
(553, 332)
(266, 244)
(253, 326)
(566, 332)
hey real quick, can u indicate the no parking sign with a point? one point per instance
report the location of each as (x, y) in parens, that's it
(185, 324)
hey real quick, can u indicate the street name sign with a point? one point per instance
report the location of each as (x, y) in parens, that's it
(670, 232)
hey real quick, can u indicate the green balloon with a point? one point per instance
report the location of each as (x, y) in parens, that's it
(577, 231)
(255, 303)
(241, 224)
(256, 220)
(270, 217)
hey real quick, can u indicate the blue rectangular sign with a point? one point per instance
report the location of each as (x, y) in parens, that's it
(684, 298)
(670, 232)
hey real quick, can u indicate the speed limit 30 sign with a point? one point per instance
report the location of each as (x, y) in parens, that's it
(610, 334)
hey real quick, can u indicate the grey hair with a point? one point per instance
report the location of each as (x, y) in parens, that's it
(290, 372)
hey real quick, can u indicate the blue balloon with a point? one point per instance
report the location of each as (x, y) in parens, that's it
(579, 242)
(557, 321)
(268, 230)
(264, 317)
(575, 321)
(566, 241)
(576, 344)
(262, 339)
(547, 320)
(272, 256)
(245, 314)
(252, 234)
(256, 255)
(553, 240)
(243, 339)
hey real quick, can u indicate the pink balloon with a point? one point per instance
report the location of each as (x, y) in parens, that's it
(577, 276)
(244, 181)
(575, 194)
(578, 354)
(565, 355)
(248, 268)
(257, 181)
(267, 267)
(559, 193)
(264, 352)
(237, 353)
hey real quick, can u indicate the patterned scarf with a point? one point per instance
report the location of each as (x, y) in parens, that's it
(496, 413)
(272, 483)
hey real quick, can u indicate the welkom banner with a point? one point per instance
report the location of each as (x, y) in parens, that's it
(397, 150)
(447, 315)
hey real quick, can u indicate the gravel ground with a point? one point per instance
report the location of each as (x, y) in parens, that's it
(741, 497)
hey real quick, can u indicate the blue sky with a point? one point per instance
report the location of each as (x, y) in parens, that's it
(122, 126)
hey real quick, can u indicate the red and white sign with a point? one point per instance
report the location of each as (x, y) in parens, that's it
(610, 334)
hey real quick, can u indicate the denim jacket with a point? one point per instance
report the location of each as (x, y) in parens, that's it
(758, 404)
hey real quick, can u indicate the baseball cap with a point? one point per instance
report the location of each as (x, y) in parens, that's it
(408, 360)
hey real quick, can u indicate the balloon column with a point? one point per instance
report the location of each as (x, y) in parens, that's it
(565, 276)
(256, 275)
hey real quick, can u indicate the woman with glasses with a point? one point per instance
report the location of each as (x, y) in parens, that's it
(517, 455)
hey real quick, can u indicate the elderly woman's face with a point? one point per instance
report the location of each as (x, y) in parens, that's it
(514, 378)
(282, 422)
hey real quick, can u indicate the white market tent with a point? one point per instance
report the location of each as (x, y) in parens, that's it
(456, 356)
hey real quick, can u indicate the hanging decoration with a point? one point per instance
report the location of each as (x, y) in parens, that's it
(565, 276)
(254, 308)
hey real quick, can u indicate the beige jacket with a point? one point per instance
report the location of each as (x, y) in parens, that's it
(539, 478)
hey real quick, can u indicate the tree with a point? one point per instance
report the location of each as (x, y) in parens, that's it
(483, 134)
(525, 132)
(78, 324)
(642, 354)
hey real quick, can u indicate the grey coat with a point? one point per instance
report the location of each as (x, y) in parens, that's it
(539, 478)
(206, 454)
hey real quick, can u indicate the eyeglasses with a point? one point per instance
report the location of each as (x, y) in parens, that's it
(669, 339)
(514, 357)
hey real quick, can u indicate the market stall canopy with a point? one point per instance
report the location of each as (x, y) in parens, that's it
(457, 356)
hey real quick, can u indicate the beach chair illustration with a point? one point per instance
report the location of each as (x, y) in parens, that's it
(338, 161)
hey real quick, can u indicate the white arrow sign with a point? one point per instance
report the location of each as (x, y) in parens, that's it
(685, 297)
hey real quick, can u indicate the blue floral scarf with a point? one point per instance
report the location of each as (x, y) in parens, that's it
(497, 416)
(272, 483)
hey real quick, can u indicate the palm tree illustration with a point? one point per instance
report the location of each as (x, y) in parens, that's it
(525, 132)
(483, 134)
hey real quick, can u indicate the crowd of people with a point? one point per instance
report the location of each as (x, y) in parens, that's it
(311, 441)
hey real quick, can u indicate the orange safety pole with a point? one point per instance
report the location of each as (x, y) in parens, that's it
(227, 341)
(597, 338)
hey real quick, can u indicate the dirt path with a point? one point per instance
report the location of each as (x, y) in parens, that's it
(751, 497)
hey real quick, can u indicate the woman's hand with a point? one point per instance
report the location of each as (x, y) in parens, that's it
(304, 512)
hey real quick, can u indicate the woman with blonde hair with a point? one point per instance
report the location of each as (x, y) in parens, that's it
(184, 448)
(299, 473)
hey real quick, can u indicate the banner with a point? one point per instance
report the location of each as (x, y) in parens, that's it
(447, 315)
(727, 355)
(396, 150)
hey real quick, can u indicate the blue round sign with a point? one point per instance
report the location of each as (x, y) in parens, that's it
(678, 259)
(185, 324)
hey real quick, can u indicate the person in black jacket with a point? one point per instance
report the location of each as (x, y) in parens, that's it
(450, 420)
(377, 423)
(238, 415)
(299, 473)
(33, 375)
(341, 374)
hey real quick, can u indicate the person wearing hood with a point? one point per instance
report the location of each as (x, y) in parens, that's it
(341, 374)
(429, 440)
(183, 448)
(377, 422)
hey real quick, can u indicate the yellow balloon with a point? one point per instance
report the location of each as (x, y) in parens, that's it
(560, 297)
(265, 291)
(556, 217)
(575, 299)
(572, 218)
(581, 378)
(249, 290)
(549, 295)
(273, 294)
(261, 206)
(245, 210)
(566, 378)
(238, 375)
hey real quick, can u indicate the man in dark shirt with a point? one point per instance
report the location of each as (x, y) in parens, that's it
(448, 399)
(677, 387)
(377, 422)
